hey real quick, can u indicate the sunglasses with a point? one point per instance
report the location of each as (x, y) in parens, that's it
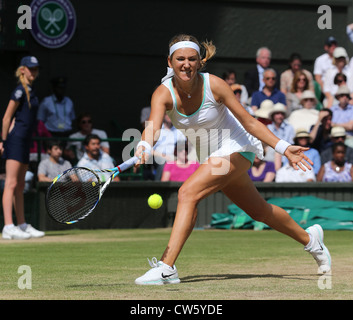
(270, 78)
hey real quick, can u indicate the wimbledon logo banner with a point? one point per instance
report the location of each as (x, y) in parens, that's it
(53, 22)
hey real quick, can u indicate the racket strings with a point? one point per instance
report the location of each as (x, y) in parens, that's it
(73, 195)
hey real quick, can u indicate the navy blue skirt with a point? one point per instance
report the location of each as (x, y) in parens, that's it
(16, 148)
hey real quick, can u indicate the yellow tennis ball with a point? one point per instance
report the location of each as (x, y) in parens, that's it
(93, 184)
(155, 201)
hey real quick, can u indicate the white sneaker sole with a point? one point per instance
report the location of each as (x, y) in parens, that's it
(7, 237)
(159, 282)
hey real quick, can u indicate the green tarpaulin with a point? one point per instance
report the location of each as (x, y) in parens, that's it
(306, 211)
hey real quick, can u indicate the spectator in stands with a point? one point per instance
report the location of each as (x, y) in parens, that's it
(254, 77)
(337, 169)
(94, 157)
(75, 149)
(295, 65)
(342, 113)
(263, 113)
(299, 84)
(41, 131)
(320, 133)
(231, 78)
(302, 138)
(57, 110)
(324, 61)
(269, 91)
(341, 80)
(288, 174)
(52, 166)
(163, 150)
(338, 134)
(340, 66)
(279, 127)
(307, 116)
(181, 168)
(262, 170)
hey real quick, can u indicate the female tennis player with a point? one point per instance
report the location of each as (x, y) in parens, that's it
(17, 128)
(227, 139)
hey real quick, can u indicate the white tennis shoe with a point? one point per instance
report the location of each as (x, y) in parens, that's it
(318, 250)
(34, 233)
(160, 274)
(14, 233)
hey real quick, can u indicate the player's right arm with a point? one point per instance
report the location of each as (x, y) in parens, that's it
(161, 101)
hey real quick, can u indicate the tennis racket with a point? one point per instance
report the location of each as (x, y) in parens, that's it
(74, 194)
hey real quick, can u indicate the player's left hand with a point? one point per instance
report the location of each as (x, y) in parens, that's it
(297, 158)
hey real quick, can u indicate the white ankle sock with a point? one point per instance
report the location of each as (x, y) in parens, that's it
(9, 226)
(23, 226)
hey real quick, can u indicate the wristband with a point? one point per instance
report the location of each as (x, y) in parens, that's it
(145, 144)
(282, 146)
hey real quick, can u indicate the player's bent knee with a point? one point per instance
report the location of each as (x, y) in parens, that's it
(187, 194)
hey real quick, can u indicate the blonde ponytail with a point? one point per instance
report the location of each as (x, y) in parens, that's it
(21, 79)
(210, 51)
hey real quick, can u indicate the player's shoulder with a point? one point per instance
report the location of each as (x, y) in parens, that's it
(162, 95)
(215, 80)
(217, 84)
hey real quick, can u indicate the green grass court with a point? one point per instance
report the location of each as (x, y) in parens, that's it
(214, 265)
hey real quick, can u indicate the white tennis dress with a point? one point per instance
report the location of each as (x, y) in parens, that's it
(212, 129)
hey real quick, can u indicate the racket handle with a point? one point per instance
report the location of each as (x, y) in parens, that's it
(127, 164)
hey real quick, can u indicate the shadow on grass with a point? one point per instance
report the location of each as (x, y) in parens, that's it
(212, 277)
(207, 277)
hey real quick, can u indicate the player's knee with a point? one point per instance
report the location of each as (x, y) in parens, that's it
(187, 194)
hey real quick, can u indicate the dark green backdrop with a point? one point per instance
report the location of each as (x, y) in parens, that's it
(118, 53)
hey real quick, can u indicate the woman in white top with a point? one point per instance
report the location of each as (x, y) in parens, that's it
(206, 110)
(340, 60)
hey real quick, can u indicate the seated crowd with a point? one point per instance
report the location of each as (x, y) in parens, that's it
(313, 110)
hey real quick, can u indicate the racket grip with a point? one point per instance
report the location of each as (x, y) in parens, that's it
(127, 164)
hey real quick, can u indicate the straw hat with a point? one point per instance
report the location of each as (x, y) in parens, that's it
(340, 52)
(302, 133)
(338, 132)
(308, 94)
(264, 110)
(278, 107)
(342, 90)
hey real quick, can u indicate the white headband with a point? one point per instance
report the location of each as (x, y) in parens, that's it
(184, 44)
